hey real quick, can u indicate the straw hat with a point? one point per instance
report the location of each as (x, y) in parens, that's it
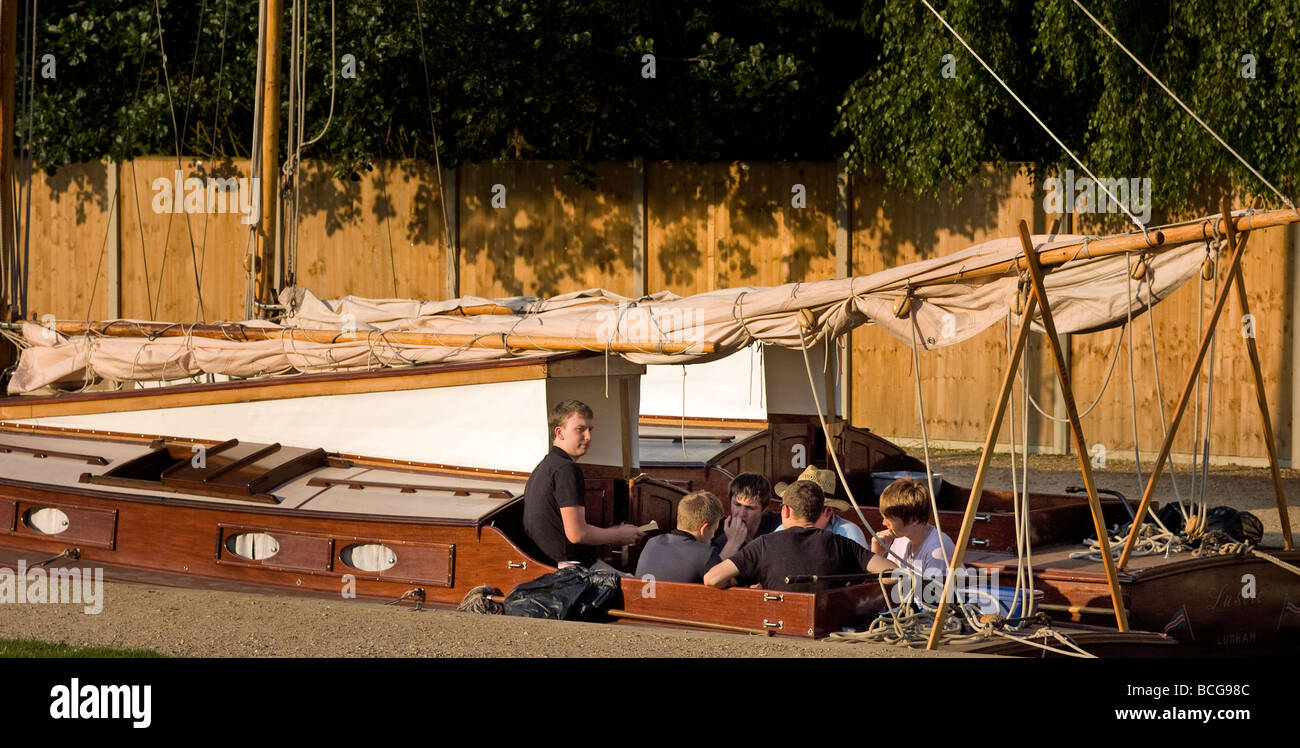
(823, 478)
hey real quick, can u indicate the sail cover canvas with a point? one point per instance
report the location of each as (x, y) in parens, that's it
(1085, 294)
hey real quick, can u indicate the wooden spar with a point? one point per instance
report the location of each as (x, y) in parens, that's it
(8, 58)
(269, 159)
(1262, 400)
(1234, 266)
(981, 472)
(1172, 236)
(237, 332)
(1076, 428)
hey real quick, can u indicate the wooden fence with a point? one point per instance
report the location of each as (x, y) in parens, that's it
(101, 248)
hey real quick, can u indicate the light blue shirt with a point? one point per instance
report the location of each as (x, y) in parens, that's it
(841, 526)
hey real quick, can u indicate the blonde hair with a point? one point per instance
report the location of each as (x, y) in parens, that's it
(698, 508)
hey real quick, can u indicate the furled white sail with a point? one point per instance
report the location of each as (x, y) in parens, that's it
(1085, 293)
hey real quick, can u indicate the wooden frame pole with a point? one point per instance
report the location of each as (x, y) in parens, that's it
(1192, 375)
(1076, 427)
(981, 472)
(1261, 398)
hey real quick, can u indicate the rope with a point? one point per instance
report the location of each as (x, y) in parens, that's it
(433, 128)
(1040, 122)
(835, 458)
(1114, 358)
(333, 81)
(479, 600)
(177, 135)
(1174, 96)
(1132, 380)
(1275, 560)
(925, 440)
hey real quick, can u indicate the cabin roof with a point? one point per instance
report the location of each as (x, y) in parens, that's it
(323, 486)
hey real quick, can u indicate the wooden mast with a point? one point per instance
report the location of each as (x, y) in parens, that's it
(8, 61)
(269, 156)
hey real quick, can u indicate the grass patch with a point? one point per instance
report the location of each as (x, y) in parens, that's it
(33, 648)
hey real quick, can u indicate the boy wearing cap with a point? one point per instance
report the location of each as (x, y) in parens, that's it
(683, 554)
(829, 520)
(802, 549)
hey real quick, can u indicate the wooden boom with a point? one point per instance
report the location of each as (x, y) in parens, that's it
(239, 332)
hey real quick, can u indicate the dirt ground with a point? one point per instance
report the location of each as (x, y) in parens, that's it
(194, 623)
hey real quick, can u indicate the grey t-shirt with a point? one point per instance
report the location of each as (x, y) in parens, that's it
(675, 557)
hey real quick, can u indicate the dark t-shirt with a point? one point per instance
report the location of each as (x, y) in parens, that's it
(799, 550)
(556, 482)
(675, 557)
(767, 523)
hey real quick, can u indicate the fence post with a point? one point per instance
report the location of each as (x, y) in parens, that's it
(451, 233)
(114, 248)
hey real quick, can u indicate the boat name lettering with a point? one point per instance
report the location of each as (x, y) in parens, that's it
(1230, 597)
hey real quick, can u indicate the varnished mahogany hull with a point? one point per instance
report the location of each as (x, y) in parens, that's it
(1222, 606)
(182, 542)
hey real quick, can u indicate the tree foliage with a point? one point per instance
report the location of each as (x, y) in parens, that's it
(921, 129)
(772, 79)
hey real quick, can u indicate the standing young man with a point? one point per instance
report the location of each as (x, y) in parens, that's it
(555, 512)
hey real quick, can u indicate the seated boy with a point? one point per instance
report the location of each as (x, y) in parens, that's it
(905, 506)
(683, 554)
(802, 548)
(829, 521)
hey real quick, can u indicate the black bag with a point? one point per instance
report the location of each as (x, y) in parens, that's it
(573, 593)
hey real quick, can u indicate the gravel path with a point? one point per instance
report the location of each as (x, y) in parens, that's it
(200, 623)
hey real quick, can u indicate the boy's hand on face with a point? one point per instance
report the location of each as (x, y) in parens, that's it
(886, 537)
(736, 529)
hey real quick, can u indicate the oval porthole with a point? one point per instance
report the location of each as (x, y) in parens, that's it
(254, 546)
(46, 520)
(368, 557)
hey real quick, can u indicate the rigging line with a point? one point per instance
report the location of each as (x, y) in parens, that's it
(925, 440)
(437, 161)
(255, 166)
(1132, 381)
(1160, 397)
(171, 104)
(1187, 109)
(1114, 358)
(333, 82)
(116, 205)
(1041, 124)
(216, 111)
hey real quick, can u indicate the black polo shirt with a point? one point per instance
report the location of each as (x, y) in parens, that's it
(799, 550)
(556, 482)
(767, 523)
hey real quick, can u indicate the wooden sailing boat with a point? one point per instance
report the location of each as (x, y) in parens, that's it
(418, 485)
